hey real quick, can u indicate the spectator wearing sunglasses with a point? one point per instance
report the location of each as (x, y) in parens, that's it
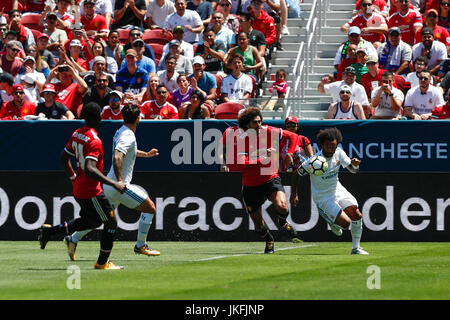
(19, 107)
(113, 111)
(135, 34)
(231, 20)
(99, 93)
(11, 63)
(444, 14)
(346, 108)
(159, 109)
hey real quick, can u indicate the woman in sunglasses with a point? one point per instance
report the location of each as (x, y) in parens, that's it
(444, 9)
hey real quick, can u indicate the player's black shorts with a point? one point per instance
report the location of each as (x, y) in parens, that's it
(276, 17)
(254, 197)
(96, 210)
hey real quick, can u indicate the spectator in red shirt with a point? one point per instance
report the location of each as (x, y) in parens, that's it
(19, 107)
(10, 62)
(263, 22)
(24, 35)
(351, 53)
(113, 111)
(94, 24)
(159, 109)
(441, 112)
(440, 33)
(73, 56)
(408, 20)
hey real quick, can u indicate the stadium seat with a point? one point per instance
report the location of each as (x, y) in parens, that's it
(218, 90)
(31, 21)
(158, 50)
(228, 110)
(124, 34)
(36, 34)
(252, 95)
(155, 36)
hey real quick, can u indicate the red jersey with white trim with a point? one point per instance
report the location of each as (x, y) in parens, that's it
(229, 140)
(406, 24)
(108, 114)
(252, 147)
(11, 112)
(69, 96)
(151, 109)
(375, 20)
(441, 112)
(97, 23)
(440, 34)
(85, 144)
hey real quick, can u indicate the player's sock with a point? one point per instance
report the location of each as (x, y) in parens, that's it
(356, 231)
(106, 242)
(265, 233)
(76, 236)
(144, 225)
(282, 219)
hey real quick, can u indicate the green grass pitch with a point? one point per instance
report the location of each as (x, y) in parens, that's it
(231, 270)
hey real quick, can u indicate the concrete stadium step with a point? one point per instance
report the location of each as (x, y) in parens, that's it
(343, 15)
(312, 115)
(315, 106)
(335, 22)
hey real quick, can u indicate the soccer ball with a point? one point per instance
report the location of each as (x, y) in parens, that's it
(317, 165)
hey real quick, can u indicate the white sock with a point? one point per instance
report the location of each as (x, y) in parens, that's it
(77, 235)
(356, 232)
(144, 225)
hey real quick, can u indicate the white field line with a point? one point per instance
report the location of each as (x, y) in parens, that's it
(245, 254)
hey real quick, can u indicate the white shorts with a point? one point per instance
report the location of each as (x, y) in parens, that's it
(330, 208)
(133, 196)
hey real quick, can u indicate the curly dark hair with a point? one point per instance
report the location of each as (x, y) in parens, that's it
(248, 115)
(329, 134)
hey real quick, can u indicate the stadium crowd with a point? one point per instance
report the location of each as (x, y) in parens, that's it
(395, 63)
(177, 59)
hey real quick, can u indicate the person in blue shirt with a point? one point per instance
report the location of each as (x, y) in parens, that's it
(130, 79)
(143, 62)
(203, 81)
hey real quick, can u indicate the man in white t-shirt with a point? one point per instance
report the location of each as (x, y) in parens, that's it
(237, 86)
(190, 20)
(335, 204)
(386, 100)
(421, 100)
(434, 50)
(334, 89)
(157, 12)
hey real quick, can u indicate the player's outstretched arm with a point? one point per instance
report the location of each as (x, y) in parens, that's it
(147, 154)
(354, 165)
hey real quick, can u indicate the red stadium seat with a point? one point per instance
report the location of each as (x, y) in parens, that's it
(36, 34)
(218, 90)
(228, 110)
(31, 21)
(158, 50)
(124, 35)
(156, 36)
(252, 95)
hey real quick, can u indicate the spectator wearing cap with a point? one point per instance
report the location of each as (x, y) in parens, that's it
(29, 68)
(99, 50)
(360, 64)
(169, 76)
(136, 33)
(387, 100)
(189, 19)
(129, 13)
(70, 89)
(99, 92)
(440, 33)
(345, 108)
(354, 37)
(157, 12)
(51, 108)
(263, 22)
(130, 79)
(358, 93)
(3, 31)
(434, 50)
(42, 45)
(203, 8)
(372, 24)
(113, 111)
(186, 49)
(10, 62)
(6, 87)
(203, 80)
(24, 34)
(98, 68)
(372, 79)
(420, 100)
(143, 62)
(32, 93)
(351, 59)
(101, 7)
(213, 52)
(94, 24)
(56, 37)
(78, 33)
(19, 107)
(223, 34)
(231, 20)
(395, 54)
(407, 20)
(183, 64)
(74, 56)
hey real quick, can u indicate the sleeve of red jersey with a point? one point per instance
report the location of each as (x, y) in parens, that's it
(292, 138)
(94, 150)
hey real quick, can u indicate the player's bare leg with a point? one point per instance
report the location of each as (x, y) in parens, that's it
(148, 210)
(279, 201)
(262, 230)
(352, 215)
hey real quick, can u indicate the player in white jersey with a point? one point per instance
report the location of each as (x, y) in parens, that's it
(334, 203)
(125, 152)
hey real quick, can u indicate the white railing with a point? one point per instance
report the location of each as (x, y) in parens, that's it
(307, 52)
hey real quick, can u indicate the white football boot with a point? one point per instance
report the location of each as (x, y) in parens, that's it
(359, 250)
(337, 230)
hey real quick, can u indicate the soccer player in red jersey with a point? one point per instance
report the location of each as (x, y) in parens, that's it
(96, 209)
(257, 152)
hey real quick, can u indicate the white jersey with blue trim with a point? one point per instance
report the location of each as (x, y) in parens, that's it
(326, 185)
(124, 141)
